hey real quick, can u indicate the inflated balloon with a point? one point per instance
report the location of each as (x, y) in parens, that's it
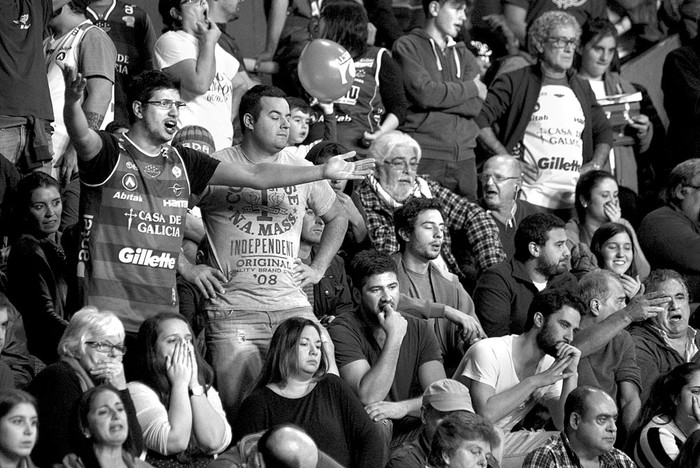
(326, 70)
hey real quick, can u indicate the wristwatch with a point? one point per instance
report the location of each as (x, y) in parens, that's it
(196, 390)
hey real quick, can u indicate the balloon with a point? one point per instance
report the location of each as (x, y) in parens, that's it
(326, 70)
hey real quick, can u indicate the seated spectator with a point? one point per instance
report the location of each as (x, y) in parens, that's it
(91, 351)
(597, 203)
(508, 375)
(614, 248)
(384, 356)
(598, 51)
(669, 414)
(666, 340)
(613, 368)
(504, 292)
(296, 387)
(397, 156)
(18, 428)
(440, 399)
(588, 436)
(671, 234)
(445, 94)
(37, 268)
(463, 440)
(689, 456)
(419, 230)
(544, 110)
(287, 446)
(105, 431)
(501, 180)
(179, 411)
(331, 296)
(376, 103)
(15, 354)
(209, 84)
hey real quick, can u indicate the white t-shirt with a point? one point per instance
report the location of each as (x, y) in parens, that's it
(553, 144)
(490, 362)
(254, 235)
(211, 110)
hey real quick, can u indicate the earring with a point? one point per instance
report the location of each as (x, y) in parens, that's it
(585, 205)
(179, 17)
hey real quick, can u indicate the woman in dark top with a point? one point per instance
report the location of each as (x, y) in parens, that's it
(294, 387)
(91, 350)
(36, 268)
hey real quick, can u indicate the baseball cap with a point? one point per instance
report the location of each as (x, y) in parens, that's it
(448, 395)
(195, 137)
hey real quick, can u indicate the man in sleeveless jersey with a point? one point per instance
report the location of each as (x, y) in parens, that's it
(134, 200)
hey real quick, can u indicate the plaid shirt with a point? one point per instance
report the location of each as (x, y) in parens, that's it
(480, 231)
(557, 453)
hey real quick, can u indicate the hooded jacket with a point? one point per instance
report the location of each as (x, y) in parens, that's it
(443, 99)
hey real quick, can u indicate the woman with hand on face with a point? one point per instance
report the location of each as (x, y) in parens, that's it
(295, 386)
(613, 248)
(36, 267)
(91, 351)
(181, 415)
(18, 428)
(105, 429)
(597, 203)
(668, 417)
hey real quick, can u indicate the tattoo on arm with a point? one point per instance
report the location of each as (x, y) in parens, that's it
(94, 120)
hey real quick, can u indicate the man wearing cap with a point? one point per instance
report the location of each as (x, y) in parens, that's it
(588, 436)
(440, 399)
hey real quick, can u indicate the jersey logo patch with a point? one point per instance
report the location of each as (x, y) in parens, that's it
(23, 21)
(130, 21)
(177, 172)
(152, 170)
(177, 189)
(129, 182)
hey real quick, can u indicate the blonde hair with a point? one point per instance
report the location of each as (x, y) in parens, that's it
(87, 324)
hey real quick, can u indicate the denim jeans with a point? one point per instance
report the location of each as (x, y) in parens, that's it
(238, 341)
(12, 143)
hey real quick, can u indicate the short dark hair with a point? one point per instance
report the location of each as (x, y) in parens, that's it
(369, 263)
(552, 301)
(298, 103)
(405, 216)
(534, 228)
(250, 102)
(656, 277)
(457, 428)
(323, 150)
(169, 23)
(346, 23)
(577, 401)
(426, 4)
(144, 85)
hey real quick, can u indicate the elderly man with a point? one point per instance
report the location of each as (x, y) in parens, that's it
(547, 117)
(395, 181)
(670, 235)
(665, 341)
(501, 181)
(588, 436)
(504, 292)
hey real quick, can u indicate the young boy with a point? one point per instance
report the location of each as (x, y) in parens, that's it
(441, 78)
(300, 123)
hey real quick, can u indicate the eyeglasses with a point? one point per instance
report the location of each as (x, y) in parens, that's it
(401, 165)
(192, 2)
(107, 348)
(562, 42)
(167, 104)
(498, 178)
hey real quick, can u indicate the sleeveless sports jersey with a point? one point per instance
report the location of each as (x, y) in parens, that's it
(361, 109)
(131, 234)
(66, 49)
(132, 32)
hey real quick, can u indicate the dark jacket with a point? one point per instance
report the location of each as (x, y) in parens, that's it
(443, 99)
(654, 356)
(332, 294)
(504, 293)
(512, 99)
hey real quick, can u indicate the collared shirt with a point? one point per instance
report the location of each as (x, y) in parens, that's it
(480, 231)
(691, 348)
(557, 453)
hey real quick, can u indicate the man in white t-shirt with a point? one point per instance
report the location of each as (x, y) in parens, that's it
(548, 117)
(254, 237)
(508, 375)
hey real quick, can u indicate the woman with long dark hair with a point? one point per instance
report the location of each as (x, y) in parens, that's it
(179, 411)
(295, 387)
(614, 248)
(18, 428)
